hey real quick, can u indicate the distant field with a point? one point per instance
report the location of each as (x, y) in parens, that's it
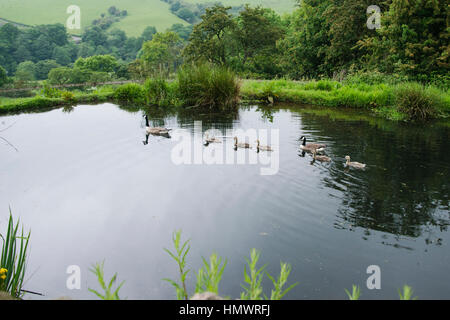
(141, 13)
(280, 6)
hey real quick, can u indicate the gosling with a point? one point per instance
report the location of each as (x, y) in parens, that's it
(241, 145)
(320, 158)
(354, 164)
(262, 148)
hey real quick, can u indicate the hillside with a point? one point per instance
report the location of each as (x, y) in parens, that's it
(141, 13)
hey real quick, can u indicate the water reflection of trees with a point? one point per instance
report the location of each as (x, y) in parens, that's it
(185, 118)
(405, 189)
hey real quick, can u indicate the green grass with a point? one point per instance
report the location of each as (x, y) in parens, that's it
(219, 90)
(280, 6)
(141, 13)
(403, 101)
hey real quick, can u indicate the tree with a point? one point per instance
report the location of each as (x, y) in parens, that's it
(65, 75)
(413, 39)
(257, 29)
(162, 53)
(26, 71)
(3, 76)
(43, 68)
(305, 45)
(62, 56)
(208, 39)
(101, 63)
(346, 20)
(148, 33)
(183, 31)
(95, 35)
(186, 14)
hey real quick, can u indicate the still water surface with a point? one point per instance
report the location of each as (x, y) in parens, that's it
(90, 190)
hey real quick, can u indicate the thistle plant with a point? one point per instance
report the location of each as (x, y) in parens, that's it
(13, 259)
(181, 250)
(356, 292)
(97, 269)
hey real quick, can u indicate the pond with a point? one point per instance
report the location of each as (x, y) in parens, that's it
(91, 189)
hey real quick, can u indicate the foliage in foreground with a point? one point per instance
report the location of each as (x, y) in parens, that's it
(406, 294)
(13, 259)
(108, 294)
(210, 274)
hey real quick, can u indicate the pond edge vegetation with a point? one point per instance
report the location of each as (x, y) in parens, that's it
(218, 89)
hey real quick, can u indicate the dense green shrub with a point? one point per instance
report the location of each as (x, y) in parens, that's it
(208, 86)
(130, 93)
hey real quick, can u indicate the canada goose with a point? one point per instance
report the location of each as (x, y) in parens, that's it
(354, 164)
(311, 146)
(155, 130)
(241, 145)
(209, 140)
(262, 148)
(320, 158)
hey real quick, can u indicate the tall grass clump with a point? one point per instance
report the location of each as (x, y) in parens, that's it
(208, 86)
(13, 259)
(130, 93)
(161, 93)
(418, 102)
(108, 293)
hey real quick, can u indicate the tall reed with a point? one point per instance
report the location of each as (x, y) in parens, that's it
(13, 259)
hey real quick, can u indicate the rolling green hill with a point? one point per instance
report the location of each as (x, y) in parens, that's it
(280, 6)
(141, 13)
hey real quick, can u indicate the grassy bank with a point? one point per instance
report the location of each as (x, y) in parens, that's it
(402, 101)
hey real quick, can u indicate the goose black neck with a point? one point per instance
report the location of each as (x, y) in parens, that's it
(304, 141)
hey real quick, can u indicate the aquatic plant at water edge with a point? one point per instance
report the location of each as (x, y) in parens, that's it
(208, 86)
(108, 294)
(13, 259)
